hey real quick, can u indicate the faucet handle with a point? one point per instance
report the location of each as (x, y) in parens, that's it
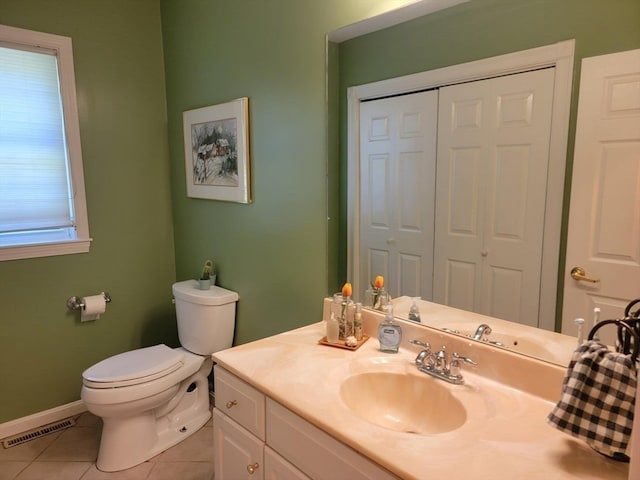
(455, 368)
(464, 359)
(421, 344)
(425, 355)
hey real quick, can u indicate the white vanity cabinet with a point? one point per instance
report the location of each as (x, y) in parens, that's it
(239, 434)
(238, 429)
(257, 438)
(237, 453)
(315, 452)
(277, 468)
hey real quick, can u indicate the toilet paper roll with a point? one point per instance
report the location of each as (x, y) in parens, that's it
(94, 306)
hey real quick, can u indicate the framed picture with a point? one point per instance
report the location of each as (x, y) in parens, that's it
(216, 151)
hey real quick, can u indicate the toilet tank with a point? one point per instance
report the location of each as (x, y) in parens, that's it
(206, 318)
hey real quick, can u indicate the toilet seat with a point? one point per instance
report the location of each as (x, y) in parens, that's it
(134, 367)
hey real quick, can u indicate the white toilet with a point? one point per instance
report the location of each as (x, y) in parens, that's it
(152, 398)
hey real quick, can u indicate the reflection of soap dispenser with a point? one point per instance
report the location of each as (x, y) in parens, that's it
(414, 312)
(389, 333)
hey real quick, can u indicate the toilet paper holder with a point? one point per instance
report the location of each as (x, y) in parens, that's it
(75, 303)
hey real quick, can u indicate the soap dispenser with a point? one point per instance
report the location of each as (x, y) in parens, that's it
(414, 311)
(389, 333)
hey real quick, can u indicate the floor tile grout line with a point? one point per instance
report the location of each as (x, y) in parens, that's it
(22, 470)
(55, 439)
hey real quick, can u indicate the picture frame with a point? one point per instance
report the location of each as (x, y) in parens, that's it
(216, 151)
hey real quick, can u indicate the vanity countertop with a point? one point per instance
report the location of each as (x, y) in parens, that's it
(505, 437)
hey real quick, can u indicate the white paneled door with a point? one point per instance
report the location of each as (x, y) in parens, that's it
(397, 181)
(604, 222)
(493, 153)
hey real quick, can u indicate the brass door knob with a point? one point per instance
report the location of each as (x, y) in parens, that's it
(252, 468)
(578, 274)
(231, 403)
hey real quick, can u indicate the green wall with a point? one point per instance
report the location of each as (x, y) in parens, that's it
(273, 252)
(482, 29)
(121, 94)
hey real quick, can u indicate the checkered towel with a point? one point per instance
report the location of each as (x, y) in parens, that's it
(598, 398)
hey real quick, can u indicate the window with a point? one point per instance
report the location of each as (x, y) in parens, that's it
(42, 201)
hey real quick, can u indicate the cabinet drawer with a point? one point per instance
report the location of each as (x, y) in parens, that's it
(240, 401)
(315, 452)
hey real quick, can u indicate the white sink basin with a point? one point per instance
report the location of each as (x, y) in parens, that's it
(404, 403)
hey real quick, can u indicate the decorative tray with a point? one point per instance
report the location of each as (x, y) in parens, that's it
(341, 343)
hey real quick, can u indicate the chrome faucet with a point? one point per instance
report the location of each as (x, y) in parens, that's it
(440, 364)
(425, 354)
(483, 329)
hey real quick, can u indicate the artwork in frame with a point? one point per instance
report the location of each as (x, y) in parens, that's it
(216, 150)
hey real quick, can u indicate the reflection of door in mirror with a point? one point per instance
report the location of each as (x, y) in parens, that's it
(604, 222)
(492, 161)
(491, 188)
(560, 57)
(397, 174)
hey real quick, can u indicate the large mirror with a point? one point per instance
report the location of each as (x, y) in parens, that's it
(470, 41)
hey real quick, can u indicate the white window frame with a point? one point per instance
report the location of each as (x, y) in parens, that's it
(64, 52)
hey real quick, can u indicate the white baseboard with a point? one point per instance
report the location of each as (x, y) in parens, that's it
(20, 425)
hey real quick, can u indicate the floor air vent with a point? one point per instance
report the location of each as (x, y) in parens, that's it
(38, 432)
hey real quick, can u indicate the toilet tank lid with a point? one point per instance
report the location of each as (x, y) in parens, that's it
(133, 364)
(189, 292)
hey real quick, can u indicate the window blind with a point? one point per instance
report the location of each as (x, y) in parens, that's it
(35, 186)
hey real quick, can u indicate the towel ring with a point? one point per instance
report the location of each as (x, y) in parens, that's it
(632, 318)
(624, 338)
(627, 311)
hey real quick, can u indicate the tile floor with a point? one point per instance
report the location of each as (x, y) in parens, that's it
(71, 454)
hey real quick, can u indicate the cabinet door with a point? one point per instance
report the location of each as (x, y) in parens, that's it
(397, 182)
(277, 468)
(237, 453)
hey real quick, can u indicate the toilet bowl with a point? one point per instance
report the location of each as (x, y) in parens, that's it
(152, 398)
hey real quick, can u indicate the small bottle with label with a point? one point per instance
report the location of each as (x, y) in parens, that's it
(389, 333)
(332, 329)
(414, 312)
(357, 322)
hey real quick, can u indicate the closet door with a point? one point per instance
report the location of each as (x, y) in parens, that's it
(397, 181)
(493, 151)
